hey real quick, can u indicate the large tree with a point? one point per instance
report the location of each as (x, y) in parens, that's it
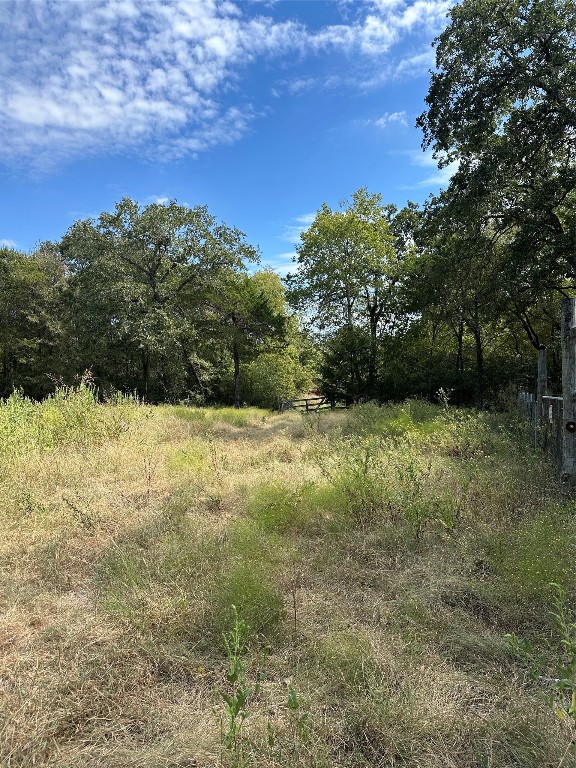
(502, 103)
(30, 327)
(140, 280)
(247, 313)
(459, 282)
(346, 283)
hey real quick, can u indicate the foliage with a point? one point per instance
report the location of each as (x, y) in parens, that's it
(562, 674)
(139, 279)
(275, 376)
(272, 358)
(502, 104)
(239, 693)
(30, 326)
(252, 310)
(347, 278)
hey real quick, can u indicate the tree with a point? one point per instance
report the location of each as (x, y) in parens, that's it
(457, 281)
(469, 298)
(248, 312)
(140, 281)
(503, 104)
(275, 376)
(30, 329)
(348, 271)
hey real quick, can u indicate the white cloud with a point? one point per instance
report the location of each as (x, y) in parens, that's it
(388, 118)
(417, 64)
(306, 218)
(113, 76)
(283, 263)
(7, 243)
(301, 84)
(293, 230)
(439, 178)
(428, 13)
(125, 76)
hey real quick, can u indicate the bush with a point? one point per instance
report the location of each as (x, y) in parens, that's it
(274, 376)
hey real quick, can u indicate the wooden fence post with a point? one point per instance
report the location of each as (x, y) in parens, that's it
(569, 391)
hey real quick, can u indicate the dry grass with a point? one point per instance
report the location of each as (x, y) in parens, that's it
(361, 548)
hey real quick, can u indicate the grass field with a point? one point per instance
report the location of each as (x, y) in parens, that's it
(390, 570)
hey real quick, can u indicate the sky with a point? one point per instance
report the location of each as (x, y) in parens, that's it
(262, 110)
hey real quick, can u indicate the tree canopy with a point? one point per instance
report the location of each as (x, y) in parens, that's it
(348, 270)
(502, 104)
(159, 300)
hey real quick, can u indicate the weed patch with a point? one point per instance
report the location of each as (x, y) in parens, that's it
(378, 556)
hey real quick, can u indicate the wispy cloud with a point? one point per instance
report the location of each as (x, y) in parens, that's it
(113, 75)
(282, 263)
(143, 76)
(416, 64)
(4, 243)
(294, 228)
(158, 199)
(440, 177)
(389, 118)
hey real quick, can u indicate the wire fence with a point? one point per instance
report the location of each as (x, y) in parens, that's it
(545, 423)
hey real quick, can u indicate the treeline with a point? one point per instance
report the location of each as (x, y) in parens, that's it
(158, 301)
(459, 293)
(407, 310)
(166, 302)
(454, 295)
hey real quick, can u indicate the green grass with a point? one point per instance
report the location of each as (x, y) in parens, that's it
(72, 416)
(380, 557)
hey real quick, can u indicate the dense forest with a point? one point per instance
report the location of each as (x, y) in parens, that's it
(384, 303)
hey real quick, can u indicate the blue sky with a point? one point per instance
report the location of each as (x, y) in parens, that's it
(262, 110)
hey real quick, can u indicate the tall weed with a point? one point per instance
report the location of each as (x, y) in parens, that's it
(71, 416)
(414, 417)
(525, 558)
(391, 481)
(312, 507)
(249, 579)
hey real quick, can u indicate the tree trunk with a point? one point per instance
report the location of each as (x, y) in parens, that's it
(236, 357)
(373, 352)
(460, 352)
(145, 370)
(353, 347)
(477, 333)
(164, 377)
(192, 372)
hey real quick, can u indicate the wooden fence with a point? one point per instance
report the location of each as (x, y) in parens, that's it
(308, 404)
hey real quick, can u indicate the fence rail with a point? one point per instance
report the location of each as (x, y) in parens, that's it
(308, 404)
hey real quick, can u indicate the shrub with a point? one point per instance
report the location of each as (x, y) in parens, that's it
(251, 588)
